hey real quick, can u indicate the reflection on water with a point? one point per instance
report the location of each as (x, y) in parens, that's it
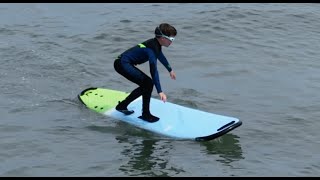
(149, 154)
(147, 158)
(226, 146)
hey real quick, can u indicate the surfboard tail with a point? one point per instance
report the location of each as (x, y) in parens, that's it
(83, 92)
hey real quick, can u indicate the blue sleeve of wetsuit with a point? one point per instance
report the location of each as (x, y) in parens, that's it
(154, 71)
(164, 61)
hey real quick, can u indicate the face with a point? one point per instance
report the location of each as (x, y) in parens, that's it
(166, 41)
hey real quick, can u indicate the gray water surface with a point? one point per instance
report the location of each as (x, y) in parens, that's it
(257, 62)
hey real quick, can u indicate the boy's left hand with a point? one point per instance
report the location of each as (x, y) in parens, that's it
(173, 75)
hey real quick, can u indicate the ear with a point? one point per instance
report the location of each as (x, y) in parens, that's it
(160, 40)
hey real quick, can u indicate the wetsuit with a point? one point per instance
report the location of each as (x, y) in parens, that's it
(149, 50)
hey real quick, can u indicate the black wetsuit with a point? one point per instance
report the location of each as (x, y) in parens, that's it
(149, 50)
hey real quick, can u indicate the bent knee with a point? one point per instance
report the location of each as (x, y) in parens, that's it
(147, 83)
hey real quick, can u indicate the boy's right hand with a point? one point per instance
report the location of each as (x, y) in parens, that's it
(163, 97)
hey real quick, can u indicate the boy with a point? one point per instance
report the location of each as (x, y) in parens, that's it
(149, 50)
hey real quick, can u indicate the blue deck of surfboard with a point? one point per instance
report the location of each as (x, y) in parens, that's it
(177, 121)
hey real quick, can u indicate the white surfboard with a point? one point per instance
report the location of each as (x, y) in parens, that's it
(176, 121)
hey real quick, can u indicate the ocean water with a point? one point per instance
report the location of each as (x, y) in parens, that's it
(258, 62)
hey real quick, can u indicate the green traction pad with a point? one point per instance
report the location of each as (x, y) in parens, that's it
(101, 100)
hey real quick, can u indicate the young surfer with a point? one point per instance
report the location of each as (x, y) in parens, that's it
(148, 51)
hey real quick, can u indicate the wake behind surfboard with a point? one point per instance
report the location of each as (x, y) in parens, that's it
(176, 121)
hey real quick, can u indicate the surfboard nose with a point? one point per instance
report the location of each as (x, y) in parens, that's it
(222, 130)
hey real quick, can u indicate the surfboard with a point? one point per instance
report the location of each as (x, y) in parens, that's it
(176, 121)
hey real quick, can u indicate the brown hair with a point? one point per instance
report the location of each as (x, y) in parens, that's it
(165, 29)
